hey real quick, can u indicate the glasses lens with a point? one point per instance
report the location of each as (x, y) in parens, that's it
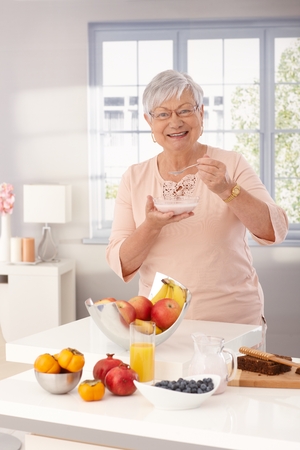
(184, 112)
(166, 114)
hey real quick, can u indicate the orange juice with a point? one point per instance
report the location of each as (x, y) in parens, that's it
(142, 360)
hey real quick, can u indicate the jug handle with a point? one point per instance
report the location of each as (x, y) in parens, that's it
(233, 359)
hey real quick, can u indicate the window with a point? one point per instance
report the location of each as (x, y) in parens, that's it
(251, 80)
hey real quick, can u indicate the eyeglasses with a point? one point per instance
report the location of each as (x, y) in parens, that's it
(164, 114)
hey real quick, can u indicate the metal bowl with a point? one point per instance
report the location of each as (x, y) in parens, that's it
(108, 318)
(58, 383)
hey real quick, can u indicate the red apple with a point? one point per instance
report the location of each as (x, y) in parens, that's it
(142, 306)
(165, 312)
(105, 300)
(126, 311)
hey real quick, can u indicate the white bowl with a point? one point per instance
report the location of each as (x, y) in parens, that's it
(172, 400)
(107, 317)
(178, 205)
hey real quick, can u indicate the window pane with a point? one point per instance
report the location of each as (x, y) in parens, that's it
(287, 173)
(147, 148)
(231, 107)
(120, 151)
(230, 60)
(287, 87)
(154, 57)
(287, 106)
(242, 107)
(213, 102)
(241, 61)
(119, 63)
(205, 70)
(287, 60)
(248, 144)
(245, 143)
(111, 189)
(120, 108)
(229, 78)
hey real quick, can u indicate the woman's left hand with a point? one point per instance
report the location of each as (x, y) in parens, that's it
(215, 175)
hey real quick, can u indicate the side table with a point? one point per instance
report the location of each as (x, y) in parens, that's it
(34, 298)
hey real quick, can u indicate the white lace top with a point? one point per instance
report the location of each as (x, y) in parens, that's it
(184, 188)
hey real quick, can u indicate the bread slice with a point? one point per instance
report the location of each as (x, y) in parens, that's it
(253, 364)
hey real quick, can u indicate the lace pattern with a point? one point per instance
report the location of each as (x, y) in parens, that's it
(185, 187)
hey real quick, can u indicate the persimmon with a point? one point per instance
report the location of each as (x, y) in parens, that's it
(71, 359)
(91, 390)
(46, 363)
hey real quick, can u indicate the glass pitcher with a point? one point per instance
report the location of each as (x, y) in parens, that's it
(210, 356)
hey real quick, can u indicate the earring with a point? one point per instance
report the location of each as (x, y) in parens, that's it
(201, 132)
(153, 138)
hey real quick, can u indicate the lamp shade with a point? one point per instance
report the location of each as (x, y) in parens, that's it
(47, 203)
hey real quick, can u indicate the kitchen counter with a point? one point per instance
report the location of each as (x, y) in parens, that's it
(238, 419)
(172, 357)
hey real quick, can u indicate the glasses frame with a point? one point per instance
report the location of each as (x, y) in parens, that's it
(176, 111)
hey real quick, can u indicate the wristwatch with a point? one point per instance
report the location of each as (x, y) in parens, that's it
(234, 193)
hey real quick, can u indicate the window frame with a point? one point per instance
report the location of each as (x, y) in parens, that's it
(182, 31)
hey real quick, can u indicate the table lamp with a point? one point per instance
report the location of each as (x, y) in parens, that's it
(47, 203)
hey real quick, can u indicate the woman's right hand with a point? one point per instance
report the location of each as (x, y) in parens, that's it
(158, 219)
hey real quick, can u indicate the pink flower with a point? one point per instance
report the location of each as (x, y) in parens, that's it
(7, 198)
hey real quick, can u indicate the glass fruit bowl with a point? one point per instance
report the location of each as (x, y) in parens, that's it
(109, 320)
(178, 205)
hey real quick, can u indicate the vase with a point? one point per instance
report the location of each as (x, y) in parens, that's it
(5, 237)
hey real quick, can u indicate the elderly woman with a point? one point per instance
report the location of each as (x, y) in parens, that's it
(207, 249)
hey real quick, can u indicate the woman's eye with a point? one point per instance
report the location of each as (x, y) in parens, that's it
(163, 115)
(184, 111)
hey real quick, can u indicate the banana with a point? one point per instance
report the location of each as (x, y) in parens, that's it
(145, 327)
(161, 293)
(169, 293)
(170, 289)
(179, 295)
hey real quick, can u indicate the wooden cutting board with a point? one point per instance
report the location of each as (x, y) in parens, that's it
(252, 379)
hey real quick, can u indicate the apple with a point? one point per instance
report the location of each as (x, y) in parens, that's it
(105, 300)
(142, 306)
(126, 310)
(165, 312)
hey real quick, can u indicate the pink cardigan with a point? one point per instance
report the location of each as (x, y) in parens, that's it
(209, 252)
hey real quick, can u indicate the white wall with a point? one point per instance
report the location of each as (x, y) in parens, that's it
(43, 131)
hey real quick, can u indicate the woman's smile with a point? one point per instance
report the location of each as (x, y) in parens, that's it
(178, 135)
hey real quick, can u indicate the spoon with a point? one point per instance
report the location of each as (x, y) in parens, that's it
(178, 172)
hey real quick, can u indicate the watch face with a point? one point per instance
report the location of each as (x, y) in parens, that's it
(236, 190)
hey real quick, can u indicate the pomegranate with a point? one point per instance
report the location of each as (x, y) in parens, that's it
(105, 365)
(119, 380)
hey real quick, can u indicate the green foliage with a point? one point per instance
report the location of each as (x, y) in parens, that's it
(111, 191)
(245, 116)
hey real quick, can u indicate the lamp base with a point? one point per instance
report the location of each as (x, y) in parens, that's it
(47, 249)
(9, 442)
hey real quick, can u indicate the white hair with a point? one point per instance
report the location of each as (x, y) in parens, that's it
(169, 84)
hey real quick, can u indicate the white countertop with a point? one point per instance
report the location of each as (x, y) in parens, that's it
(172, 357)
(239, 419)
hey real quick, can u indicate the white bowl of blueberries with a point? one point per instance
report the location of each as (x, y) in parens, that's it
(184, 393)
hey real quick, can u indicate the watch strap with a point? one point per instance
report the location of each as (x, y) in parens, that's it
(234, 193)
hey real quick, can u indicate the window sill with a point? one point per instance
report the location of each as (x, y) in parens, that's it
(292, 240)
